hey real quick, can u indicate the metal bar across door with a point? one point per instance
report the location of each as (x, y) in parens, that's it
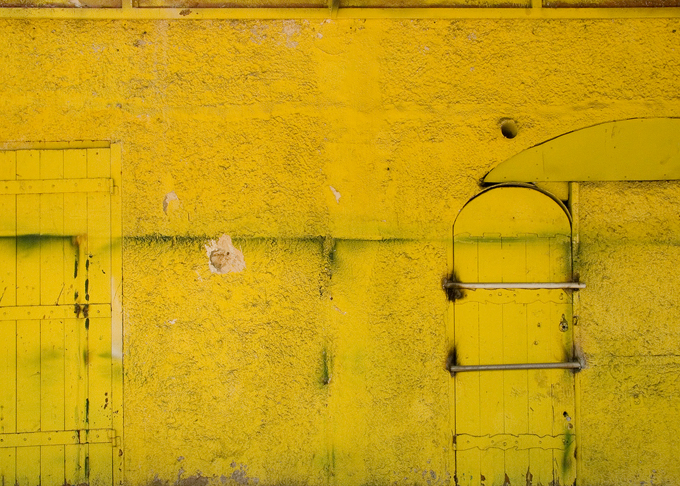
(571, 365)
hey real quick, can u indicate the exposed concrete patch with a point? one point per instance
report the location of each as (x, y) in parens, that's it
(224, 257)
(336, 194)
(171, 196)
(290, 29)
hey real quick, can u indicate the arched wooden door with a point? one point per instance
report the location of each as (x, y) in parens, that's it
(513, 426)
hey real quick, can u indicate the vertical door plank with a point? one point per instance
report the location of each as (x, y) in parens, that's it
(466, 344)
(467, 417)
(8, 475)
(99, 291)
(465, 262)
(99, 230)
(515, 388)
(560, 258)
(117, 313)
(99, 373)
(562, 382)
(101, 464)
(52, 246)
(28, 399)
(539, 337)
(515, 382)
(491, 397)
(7, 396)
(52, 397)
(51, 231)
(8, 233)
(75, 226)
(28, 331)
(7, 328)
(562, 392)
(490, 264)
(28, 232)
(76, 333)
(539, 350)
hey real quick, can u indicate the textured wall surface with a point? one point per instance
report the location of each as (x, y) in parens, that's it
(337, 154)
(629, 329)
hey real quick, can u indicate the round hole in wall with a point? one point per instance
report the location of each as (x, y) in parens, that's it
(509, 128)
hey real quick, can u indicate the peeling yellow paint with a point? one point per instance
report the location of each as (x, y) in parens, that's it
(224, 257)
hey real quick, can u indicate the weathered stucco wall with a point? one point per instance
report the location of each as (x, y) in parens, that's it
(628, 253)
(337, 154)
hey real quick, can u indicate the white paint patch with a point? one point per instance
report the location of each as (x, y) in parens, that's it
(336, 194)
(224, 257)
(171, 196)
(319, 35)
(172, 321)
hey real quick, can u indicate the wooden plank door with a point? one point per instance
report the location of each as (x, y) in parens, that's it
(513, 427)
(56, 362)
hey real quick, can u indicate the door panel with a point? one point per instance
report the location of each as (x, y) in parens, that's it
(56, 424)
(513, 426)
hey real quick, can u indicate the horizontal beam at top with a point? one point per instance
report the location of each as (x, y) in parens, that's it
(129, 13)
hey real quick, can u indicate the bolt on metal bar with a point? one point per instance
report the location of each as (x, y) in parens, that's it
(575, 365)
(515, 285)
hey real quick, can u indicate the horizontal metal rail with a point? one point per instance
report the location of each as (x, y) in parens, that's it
(573, 365)
(515, 285)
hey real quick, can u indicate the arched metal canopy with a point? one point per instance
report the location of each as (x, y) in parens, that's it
(644, 149)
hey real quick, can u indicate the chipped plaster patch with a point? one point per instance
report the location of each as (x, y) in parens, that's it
(224, 257)
(336, 194)
(290, 28)
(171, 196)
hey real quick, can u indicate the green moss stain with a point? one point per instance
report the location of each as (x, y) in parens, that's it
(325, 368)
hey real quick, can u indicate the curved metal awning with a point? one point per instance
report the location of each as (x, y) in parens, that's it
(644, 149)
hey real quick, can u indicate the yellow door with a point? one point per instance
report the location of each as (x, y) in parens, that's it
(56, 365)
(513, 426)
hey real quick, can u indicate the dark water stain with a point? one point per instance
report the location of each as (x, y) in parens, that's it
(451, 359)
(566, 455)
(326, 367)
(33, 240)
(452, 293)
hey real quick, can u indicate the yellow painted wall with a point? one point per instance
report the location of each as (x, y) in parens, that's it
(629, 249)
(323, 361)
